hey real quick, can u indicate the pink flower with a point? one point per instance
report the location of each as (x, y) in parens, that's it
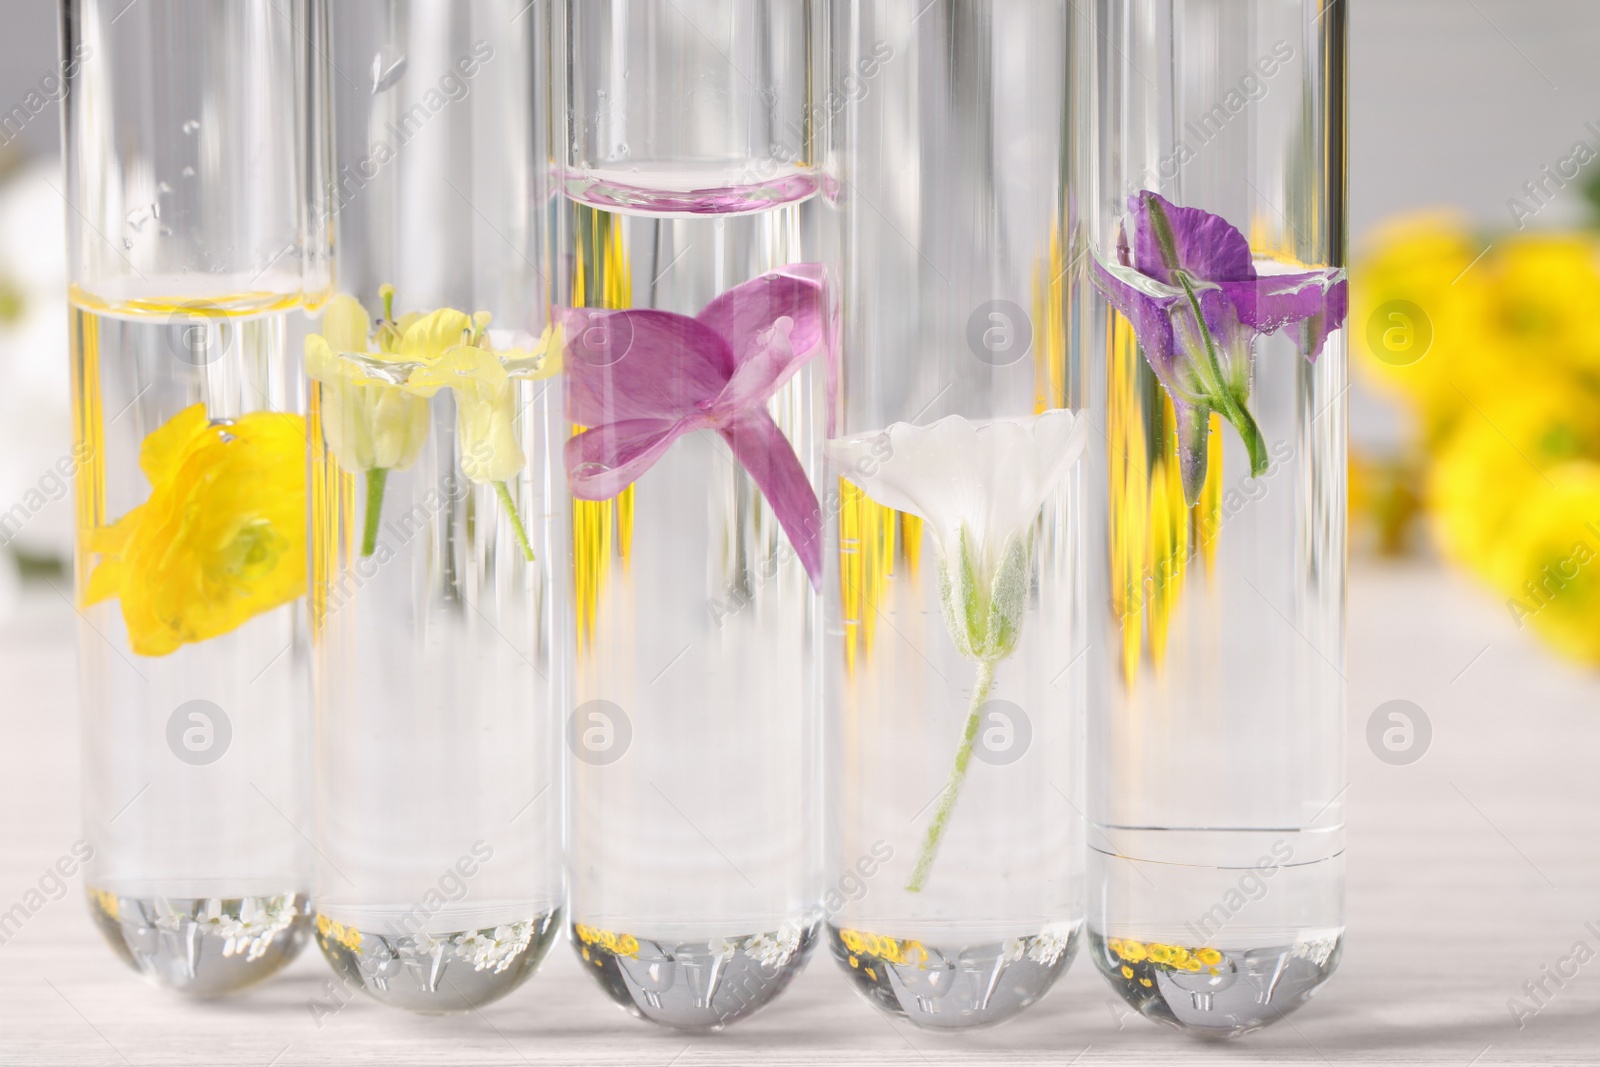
(641, 379)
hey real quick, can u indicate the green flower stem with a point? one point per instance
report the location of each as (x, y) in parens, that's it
(958, 774)
(1218, 392)
(516, 520)
(376, 479)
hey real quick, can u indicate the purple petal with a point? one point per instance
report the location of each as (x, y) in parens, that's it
(640, 364)
(1148, 315)
(1202, 244)
(745, 313)
(1317, 300)
(769, 459)
(604, 461)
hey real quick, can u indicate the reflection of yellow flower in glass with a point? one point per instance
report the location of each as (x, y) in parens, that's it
(881, 946)
(609, 940)
(338, 933)
(1171, 957)
(222, 536)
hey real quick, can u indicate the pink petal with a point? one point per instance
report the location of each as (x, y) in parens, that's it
(640, 364)
(771, 463)
(746, 312)
(604, 461)
(771, 362)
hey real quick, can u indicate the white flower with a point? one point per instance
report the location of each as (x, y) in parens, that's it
(36, 463)
(1315, 951)
(250, 933)
(1046, 947)
(496, 949)
(774, 950)
(420, 946)
(979, 486)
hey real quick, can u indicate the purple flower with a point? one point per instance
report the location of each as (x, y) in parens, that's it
(1188, 284)
(641, 379)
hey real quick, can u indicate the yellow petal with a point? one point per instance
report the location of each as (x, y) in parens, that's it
(221, 538)
(324, 364)
(105, 582)
(347, 420)
(429, 337)
(543, 361)
(164, 447)
(400, 423)
(484, 410)
(345, 324)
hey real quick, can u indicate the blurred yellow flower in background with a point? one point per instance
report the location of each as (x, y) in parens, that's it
(1506, 391)
(1548, 560)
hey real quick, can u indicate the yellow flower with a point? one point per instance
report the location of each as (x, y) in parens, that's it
(1538, 296)
(338, 933)
(1501, 450)
(221, 537)
(1127, 972)
(108, 904)
(613, 942)
(1415, 261)
(481, 378)
(1208, 956)
(484, 410)
(1132, 951)
(368, 424)
(1547, 562)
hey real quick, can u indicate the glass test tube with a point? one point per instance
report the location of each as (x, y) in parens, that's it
(438, 523)
(1217, 244)
(957, 619)
(698, 321)
(193, 144)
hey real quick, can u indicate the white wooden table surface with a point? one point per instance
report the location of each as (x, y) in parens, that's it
(1469, 872)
